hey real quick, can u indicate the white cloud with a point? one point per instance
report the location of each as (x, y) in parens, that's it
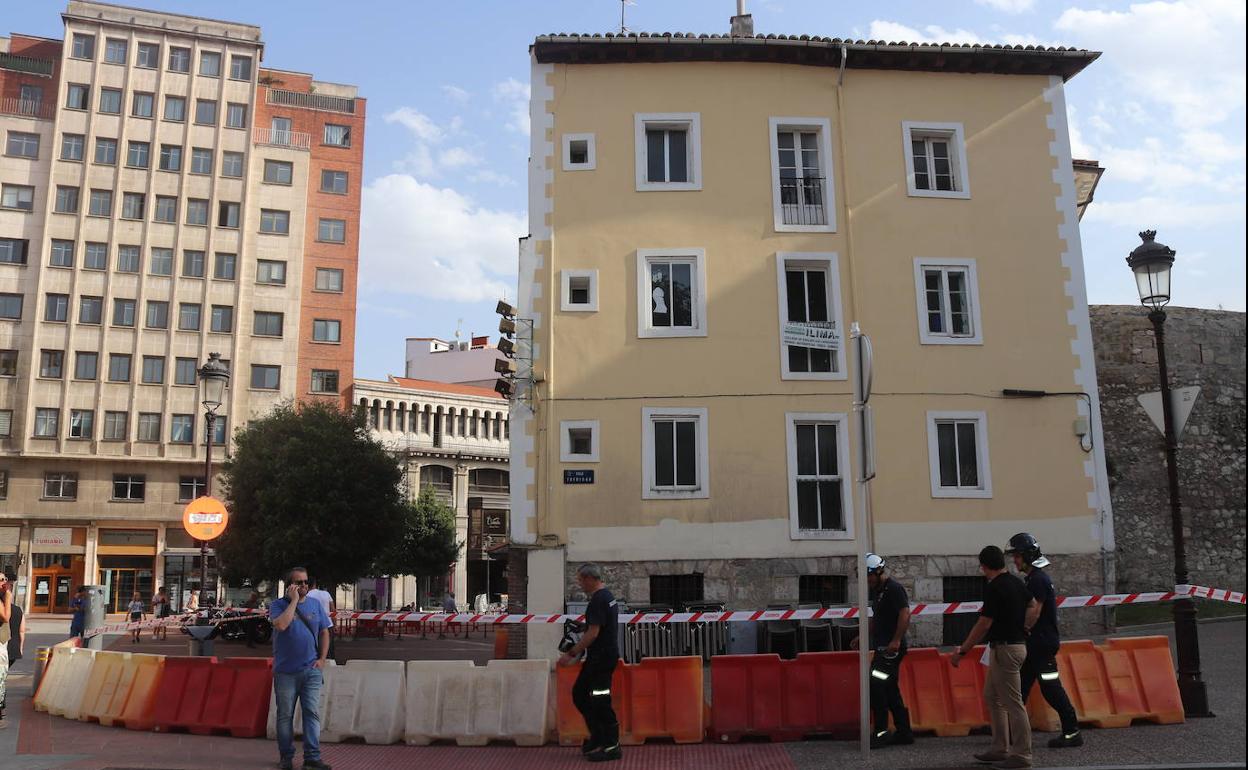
(486, 176)
(514, 95)
(457, 157)
(1163, 211)
(422, 240)
(1008, 6)
(419, 124)
(456, 94)
(893, 32)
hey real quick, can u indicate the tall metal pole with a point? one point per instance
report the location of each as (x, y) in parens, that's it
(1186, 637)
(210, 419)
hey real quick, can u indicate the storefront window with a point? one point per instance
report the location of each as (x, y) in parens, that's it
(182, 577)
(121, 576)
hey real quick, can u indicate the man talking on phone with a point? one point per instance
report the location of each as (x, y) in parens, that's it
(300, 647)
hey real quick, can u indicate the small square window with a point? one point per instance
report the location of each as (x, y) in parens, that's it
(225, 266)
(56, 308)
(124, 312)
(278, 171)
(271, 271)
(60, 486)
(166, 209)
(201, 160)
(82, 423)
(133, 205)
(228, 214)
(153, 370)
(579, 291)
(83, 46)
(337, 136)
(240, 68)
(205, 112)
(197, 212)
(334, 182)
(144, 105)
(668, 151)
(100, 204)
(193, 263)
(72, 146)
(157, 314)
(91, 310)
(222, 321)
(170, 157)
(210, 64)
(264, 377)
(11, 306)
(138, 154)
(106, 151)
(274, 221)
(188, 316)
(116, 426)
(578, 152)
(96, 256)
(578, 441)
(235, 115)
(935, 156)
(62, 254)
(267, 324)
(8, 363)
(160, 261)
(66, 200)
(115, 50)
(232, 164)
(52, 364)
(186, 371)
(324, 380)
(148, 56)
(182, 429)
(119, 367)
(129, 487)
(149, 426)
(175, 109)
(47, 422)
(332, 230)
(326, 330)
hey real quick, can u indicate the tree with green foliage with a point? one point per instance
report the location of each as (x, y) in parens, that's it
(427, 546)
(309, 486)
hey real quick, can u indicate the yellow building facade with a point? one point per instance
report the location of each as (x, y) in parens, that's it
(698, 204)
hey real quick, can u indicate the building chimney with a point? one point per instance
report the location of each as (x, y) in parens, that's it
(742, 23)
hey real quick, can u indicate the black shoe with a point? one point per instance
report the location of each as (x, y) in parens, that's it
(1071, 741)
(286, 764)
(881, 740)
(314, 764)
(605, 754)
(588, 747)
(903, 738)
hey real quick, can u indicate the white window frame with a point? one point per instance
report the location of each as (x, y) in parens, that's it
(984, 490)
(920, 298)
(591, 155)
(565, 441)
(565, 291)
(830, 262)
(824, 127)
(698, 256)
(957, 157)
(841, 420)
(691, 122)
(703, 490)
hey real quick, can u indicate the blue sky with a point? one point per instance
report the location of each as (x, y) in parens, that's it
(447, 143)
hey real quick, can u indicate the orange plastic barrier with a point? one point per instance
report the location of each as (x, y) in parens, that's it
(762, 695)
(501, 637)
(657, 698)
(205, 696)
(942, 699)
(121, 684)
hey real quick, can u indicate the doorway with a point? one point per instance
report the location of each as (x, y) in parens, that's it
(121, 576)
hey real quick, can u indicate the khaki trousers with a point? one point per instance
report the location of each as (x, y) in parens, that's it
(1011, 730)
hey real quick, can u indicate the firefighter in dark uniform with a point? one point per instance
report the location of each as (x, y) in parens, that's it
(890, 619)
(592, 691)
(1043, 639)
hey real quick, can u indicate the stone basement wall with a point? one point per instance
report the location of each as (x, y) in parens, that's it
(751, 584)
(1205, 348)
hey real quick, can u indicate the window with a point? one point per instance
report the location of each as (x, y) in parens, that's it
(186, 370)
(83, 46)
(17, 196)
(56, 308)
(334, 182)
(578, 441)
(960, 588)
(674, 453)
(676, 592)
(328, 279)
(62, 254)
(91, 310)
(29, 99)
(278, 171)
(6, 431)
(337, 136)
(197, 212)
(14, 251)
(78, 97)
(210, 64)
(166, 209)
(957, 448)
(232, 164)
(157, 314)
(133, 205)
(138, 154)
(227, 214)
(579, 291)
(180, 59)
(324, 380)
(100, 204)
(60, 486)
(86, 365)
(128, 486)
(175, 108)
(801, 182)
(668, 149)
(325, 330)
(153, 370)
(106, 151)
(824, 590)
(144, 105)
(206, 112)
(271, 271)
(219, 431)
(935, 160)
(190, 488)
(52, 363)
(66, 200)
(189, 316)
(267, 324)
(578, 152)
(273, 221)
(182, 429)
(110, 101)
(119, 367)
(96, 256)
(235, 115)
(149, 426)
(72, 146)
(201, 160)
(240, 68)
(170, 157)
(11, 306)
(819, 492)
(22, 145)
(265, 377)
(123, 312)
(161, 262)
(671, 293)
(47, 422)
(8, 363)
(147, 56)
(81, 423)
(115, 50)
(222, 319)
(947, 291)
(224, 266)
(810, 299)
(192, 263)
(115, 426)
(332, 230)
(128, 259)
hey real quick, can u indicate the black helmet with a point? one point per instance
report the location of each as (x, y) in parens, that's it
(1025, 545)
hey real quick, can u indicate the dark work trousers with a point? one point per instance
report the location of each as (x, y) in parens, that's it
(886, 693)
(592, 695)
(1041, 664)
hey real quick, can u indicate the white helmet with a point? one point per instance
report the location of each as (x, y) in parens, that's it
(875, 563)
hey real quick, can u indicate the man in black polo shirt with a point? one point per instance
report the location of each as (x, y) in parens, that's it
(890, 619)
(592, 691)
(1002, 623)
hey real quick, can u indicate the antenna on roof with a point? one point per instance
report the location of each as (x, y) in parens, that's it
(459, 324)
(623, 5)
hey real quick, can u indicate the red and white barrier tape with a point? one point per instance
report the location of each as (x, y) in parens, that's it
(172, 620)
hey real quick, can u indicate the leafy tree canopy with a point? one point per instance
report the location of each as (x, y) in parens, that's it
(427, 546)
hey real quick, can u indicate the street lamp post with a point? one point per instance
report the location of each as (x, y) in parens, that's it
(1151, 262)
(213, 378)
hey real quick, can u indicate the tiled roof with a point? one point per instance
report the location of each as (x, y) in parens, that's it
(444, 387)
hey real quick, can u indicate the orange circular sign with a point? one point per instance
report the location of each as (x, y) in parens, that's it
(205, 518)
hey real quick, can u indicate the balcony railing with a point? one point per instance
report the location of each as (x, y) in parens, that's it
(29, 108)
(29, 64)
(483, 447)
(803, 202)
(311, 101)
(291, 140)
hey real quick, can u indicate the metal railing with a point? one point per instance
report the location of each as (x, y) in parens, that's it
(488, 447)
(30, 64)
(664, 640)
(29, 108)
(803, 202)
(293, 140)
(311, 101)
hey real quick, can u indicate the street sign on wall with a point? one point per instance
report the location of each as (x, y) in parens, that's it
(571, 476)
(1181, 402)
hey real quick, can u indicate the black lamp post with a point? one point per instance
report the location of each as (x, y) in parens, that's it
(1151, 262)
(213, 377)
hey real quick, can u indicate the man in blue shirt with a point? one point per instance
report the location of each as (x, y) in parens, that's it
(78, 605)
(300, 646)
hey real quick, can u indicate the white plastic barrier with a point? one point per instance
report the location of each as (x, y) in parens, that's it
(329, 672)
(473, 705)
(365, 700)
(54, 677)
(66, 700)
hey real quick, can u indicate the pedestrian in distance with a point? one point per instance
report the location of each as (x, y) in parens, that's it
(448, 607)
(161, 608)
(249, 623)
(327, 603)
(890, 619)
(1002, 623)
(1043, 638)
(300, 648)
(6, 617)
(192, 604)
(78, 606)
(592, 691)
(135, 608)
